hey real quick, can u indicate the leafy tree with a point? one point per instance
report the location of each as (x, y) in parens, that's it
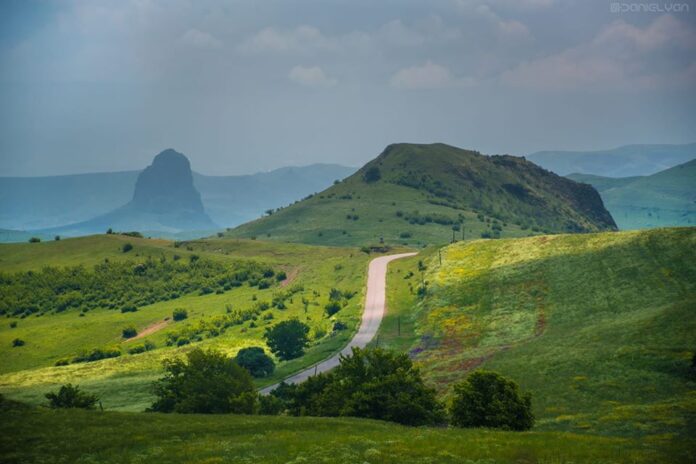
(34, 240)
(288, 339)
(256, 361)
(56, 238)
(70, 396)
(372, 175)
(372, 383)
(208, 382)
(487, 399)
(179, 314)
(332, 307)
(129, 332)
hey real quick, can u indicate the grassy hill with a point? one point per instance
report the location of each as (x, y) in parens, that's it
(123, 382)
(600, 328)
(667, 198)
(415, 194)
(625, 161)
(76, 436)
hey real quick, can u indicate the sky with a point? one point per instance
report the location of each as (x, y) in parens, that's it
(247, 86)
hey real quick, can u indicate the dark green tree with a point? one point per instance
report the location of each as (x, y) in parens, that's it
(288, 339)
(208, 382)
(372, 175)
(372, 383)
(70, 396)
(487, 399)
(256, 361)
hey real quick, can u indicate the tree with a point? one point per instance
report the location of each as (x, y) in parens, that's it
(129, 332)
(372, 175)
(487, 399)
(332, 307)
(256, 361)
(34, 240)
(179, 315)
(372, 383)
(288, 339)
(70, 396)
(208, 382)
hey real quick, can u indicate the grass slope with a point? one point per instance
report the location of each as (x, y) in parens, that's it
(424, 189)
(600, 328)
(27, 372)
(75, 436)
(667, 198)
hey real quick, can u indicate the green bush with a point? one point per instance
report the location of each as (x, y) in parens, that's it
(332, 307)
(372, 174)
(34, 240)
(126, 247)
(179, 315)
(288, 339)
(129, 309)
(207, 382)
(281, 276)
(129, 332)
(147, 346)
(256, 361)
(97, 354)
(70, 396)
(487, 399)
(371, 383)
(18, 342)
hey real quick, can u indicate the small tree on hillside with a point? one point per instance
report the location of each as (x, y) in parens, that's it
(487, 399)
(256, 361)
(372, 175)
(288, 339)
(70, 396)
(208, 382)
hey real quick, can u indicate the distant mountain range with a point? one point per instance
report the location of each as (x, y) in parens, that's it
(44, 203)
(625, 161)
(667, 198)
(421, 194)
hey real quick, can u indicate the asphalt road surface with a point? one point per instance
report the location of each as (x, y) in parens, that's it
(375, 301)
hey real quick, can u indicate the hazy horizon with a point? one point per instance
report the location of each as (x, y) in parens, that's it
(245, 87)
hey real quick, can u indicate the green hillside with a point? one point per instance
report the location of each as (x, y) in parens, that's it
(600, 328)
(667, 198)
(415, 194)
(76, 436)
(28, 371)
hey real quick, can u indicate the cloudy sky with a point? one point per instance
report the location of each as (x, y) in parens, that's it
(244, 86)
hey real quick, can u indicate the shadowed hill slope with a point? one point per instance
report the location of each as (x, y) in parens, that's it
(416, 194)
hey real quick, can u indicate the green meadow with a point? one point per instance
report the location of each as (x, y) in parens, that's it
(123, 382)
(600, 328)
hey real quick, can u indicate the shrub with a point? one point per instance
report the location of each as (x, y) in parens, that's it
(487, 399)
(147, 346)
(287, 339)
(270, 405)
(338, 326)
(18, 342)
(126, 247)
(281, 276)
(405, 235)
(34, 240)
(129, 332)
(97, 354)
(56, 238)
(70, 396)
(264, 283)
(129, 309)
(371, 383)
(179, 315)
(207, 382)
(13, 325)
(372, 174)
(332, 307)
(256, 361)
(62, 362)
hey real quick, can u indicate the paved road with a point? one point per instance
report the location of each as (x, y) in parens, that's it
(372, 317)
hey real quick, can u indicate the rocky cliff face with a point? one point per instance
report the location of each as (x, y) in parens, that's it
(166, 186)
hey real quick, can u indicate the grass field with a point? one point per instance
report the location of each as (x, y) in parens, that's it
(123, 383)
(600, 328)
(75, 436)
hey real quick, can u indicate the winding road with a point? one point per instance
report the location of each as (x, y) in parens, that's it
(375, 300)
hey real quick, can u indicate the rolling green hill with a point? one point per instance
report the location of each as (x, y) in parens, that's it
(415, 194)
(600, 328)
(28, 371)
(667, 198)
